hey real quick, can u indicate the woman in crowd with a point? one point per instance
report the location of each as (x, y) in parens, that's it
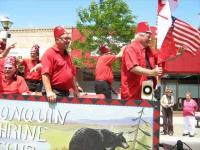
(167, 103)
(189, 109)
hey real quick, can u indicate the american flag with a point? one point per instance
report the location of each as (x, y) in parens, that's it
(185, 35)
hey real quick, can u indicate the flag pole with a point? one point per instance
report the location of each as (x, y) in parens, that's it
(157, 91)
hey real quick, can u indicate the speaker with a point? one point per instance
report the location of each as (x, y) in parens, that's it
(147, 90)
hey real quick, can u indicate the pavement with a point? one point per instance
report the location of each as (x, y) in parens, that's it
(192, 142)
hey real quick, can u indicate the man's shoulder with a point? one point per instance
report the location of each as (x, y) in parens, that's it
(49, 51)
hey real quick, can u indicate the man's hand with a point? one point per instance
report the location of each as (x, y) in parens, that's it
(157, 71)
(11, 46)
(51, 96)
(181, 50)
(80, 89)
(35, 68)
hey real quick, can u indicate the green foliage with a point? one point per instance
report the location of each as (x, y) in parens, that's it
(110, 22)
(142, 144)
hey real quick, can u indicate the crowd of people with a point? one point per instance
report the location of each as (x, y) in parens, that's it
(55, 74)
(190, 107)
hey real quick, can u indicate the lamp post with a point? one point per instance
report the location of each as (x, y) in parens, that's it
(6, 24)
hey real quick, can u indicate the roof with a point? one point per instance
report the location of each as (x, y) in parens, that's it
(185, 64)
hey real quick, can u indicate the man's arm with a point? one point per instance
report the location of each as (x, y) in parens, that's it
(6, 51)
(36, 67)
(51, 96)
(157, 71)
(121, 52)
(179, 53)
(76, 87)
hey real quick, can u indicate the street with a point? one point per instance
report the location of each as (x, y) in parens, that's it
(192, 142)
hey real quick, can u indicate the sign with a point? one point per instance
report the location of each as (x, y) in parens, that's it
(31, 123)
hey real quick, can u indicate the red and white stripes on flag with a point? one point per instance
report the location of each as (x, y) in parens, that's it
(185, 35)
(164, 21)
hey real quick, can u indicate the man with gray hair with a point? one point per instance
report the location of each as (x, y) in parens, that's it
(138, 63)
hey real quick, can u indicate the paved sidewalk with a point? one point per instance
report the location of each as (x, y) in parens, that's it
(193, 142)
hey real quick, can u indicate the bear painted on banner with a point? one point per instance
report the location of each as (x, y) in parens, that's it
(97, 139)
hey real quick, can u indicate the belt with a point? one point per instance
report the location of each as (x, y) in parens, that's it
(33, 81)
(103, 81)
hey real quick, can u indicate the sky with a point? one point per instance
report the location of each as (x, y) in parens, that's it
(50, 13)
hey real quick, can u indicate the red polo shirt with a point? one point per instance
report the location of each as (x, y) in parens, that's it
(131, 83)
(28, 65)
(104, 68)
(59, 67)
(17, 86)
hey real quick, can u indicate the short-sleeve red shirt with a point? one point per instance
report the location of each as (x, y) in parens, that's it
(15, 86)
(104, 68)
(131, 83)
(59, 67)
(28, 65)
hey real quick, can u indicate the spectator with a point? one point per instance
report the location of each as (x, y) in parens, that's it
(189, 109)
(104, 73)
(167, 103)
(33, 79)
(10, 82)
(58, 71)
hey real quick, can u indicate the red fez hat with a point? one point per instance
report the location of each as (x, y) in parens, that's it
(35, 48)
(10, 61)
(143, 27)
(58, 31)
(104, 49)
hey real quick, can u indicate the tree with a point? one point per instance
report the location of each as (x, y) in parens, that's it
(109, 22)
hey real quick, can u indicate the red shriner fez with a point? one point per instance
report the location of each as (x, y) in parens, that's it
(35, 48)
(104, 49)
(10, 61)
(143, 27)
(58, 31)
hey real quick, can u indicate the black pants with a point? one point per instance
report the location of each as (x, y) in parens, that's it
(59, 93)
(103, 87)
(167, 120)
(34, 85)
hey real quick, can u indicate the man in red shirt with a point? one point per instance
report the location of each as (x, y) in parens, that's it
(138, 63)
(10, 82)
(33, 79)
(58, 71)
(4, 52)
(104, 72)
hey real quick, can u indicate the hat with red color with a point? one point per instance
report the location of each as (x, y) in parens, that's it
(10, 61)
(58, 31)
(104, 49)
(35, 48)
(143, 27)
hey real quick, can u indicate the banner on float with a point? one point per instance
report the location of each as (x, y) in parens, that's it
(36, 125)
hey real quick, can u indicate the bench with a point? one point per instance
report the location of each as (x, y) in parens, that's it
(198, 119)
